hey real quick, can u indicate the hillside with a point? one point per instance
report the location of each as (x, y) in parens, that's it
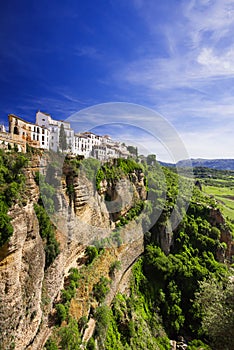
(221, 164)
(118, 256)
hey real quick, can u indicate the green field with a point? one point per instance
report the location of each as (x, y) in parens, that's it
(225, 198)
(220, 185)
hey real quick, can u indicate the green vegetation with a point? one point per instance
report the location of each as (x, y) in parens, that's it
(214, 176)
(92, 253)
(110, 171)
(133, 151)
(225, 197)
(113, 240)
(47, 192)
(132, 214)
(184, 291)
(215, 299)
(43, 209)
(47, 232)
(62, 139)
(115, 266)
(87, 167)
(218, 184)
(62, 308)
(164, 287)
(101, 289)
(67, 337)
(11, 189)
(151, 159)
(71, 285)
(129, 324)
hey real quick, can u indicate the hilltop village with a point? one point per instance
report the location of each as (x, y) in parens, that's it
(46, 134)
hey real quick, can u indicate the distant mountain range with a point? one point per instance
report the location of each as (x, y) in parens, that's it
(220, 164)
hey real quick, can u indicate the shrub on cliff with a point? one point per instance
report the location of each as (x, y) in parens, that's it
(61, 313)
(11, 189)
(6, 228)
(101, 289)
(92, 253)
(47, 232)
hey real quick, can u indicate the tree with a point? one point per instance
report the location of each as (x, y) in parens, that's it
(216, 300)
(101, 289)
(70, 336)
(6, 229)
(61, 313)
(91, 253)
(151, 159)
(103, 320)
(51, 345)
(62, 138)
(133, 150)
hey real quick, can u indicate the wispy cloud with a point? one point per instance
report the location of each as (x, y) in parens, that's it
(199, 47)
(191, 82)
(208, 19)
(87, 51)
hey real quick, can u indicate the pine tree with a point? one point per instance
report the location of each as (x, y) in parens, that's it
(62, 138)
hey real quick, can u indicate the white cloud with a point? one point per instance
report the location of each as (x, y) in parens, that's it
(206, 144)
(195, 49)
(214, 17)
(191, 83)
(217, 65)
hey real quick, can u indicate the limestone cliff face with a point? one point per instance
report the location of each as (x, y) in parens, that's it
(22, 262)
(28, 291)
(122, 194)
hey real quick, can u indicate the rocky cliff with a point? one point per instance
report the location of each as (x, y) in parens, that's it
(29, 290)
(21, 274)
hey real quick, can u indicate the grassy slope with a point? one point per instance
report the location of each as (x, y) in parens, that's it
(222, 189)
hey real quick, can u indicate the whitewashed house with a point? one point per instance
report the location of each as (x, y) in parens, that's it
(54, 126)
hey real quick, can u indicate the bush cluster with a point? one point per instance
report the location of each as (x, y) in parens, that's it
(11, 188)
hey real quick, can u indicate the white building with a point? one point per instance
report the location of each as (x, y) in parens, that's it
(86, 144)
(54, 126)
(35, 135)
(82, 145)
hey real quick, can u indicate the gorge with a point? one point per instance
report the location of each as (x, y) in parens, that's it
(92, 260)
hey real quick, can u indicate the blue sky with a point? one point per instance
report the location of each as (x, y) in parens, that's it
(173, 56)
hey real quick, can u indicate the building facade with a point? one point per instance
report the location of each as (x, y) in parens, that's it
(45, 134)
(35, 135)
(54, 126)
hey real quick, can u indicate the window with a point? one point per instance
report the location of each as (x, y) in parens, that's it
(43, 131)
(43, 120)
(43, 138)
